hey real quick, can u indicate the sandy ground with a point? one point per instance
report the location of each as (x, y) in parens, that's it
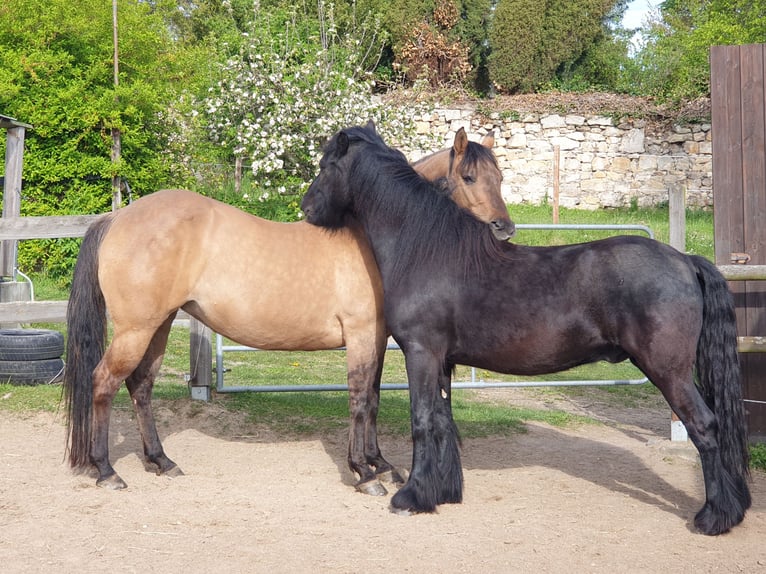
(609, 498)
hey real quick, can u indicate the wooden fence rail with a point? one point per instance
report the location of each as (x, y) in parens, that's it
(45, 227)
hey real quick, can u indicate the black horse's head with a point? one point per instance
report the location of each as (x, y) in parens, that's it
(329, 199)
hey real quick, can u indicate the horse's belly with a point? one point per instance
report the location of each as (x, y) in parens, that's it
(275, 325)
(536, 356)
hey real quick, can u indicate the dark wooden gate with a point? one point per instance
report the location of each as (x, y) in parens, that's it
(738, 99)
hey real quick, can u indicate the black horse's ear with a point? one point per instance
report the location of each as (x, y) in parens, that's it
(342, 142)
(370, 125)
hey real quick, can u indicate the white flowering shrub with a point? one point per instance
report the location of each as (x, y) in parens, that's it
(282, 95)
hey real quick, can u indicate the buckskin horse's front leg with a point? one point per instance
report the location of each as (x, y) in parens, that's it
(364, 456)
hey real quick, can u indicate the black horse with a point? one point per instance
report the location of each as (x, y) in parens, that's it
(456, 295)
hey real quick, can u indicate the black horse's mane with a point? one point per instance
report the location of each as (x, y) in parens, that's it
(433, 231)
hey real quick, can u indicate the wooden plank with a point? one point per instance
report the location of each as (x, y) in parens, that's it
(728, 207)
(45, 227)
(754, 203)
(677, 210)
(33, 312)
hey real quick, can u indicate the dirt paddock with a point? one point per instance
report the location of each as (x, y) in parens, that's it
(610, 498)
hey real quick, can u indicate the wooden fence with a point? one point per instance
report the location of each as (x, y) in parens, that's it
(738, 104)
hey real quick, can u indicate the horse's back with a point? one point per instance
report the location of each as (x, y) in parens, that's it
(540, 309)
(244, 276)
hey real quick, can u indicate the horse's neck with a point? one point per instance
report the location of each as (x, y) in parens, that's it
(432, 167)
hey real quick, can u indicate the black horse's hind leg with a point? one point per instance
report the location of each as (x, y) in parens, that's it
(725, 503)
(724, 507)
(140, 384)
(436, 476)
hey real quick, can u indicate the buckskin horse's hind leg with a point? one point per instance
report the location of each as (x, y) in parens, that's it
(125, 353)
(140, 384)
(105, 386)
(118, 362)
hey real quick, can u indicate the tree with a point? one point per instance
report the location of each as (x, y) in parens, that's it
(532, 40)
(436, 39)
(293, 83)
(674, 61)
(515, 36)
(56, 74)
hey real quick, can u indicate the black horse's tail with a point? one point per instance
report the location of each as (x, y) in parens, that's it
(719, 376)
(86, 338)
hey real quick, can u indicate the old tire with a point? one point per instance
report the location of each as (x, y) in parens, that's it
(30, 344)
(38, 372)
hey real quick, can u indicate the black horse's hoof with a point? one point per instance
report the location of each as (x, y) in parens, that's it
(405, 502)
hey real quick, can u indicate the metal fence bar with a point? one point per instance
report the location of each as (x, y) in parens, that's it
(587, 226)
(220, 348)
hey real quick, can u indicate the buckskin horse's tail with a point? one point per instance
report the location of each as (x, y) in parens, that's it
(86, 338)
(719, 380)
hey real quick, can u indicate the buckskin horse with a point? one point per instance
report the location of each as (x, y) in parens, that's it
(277, 286)
(453, 294)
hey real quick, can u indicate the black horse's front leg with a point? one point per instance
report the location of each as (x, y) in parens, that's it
(437, 475)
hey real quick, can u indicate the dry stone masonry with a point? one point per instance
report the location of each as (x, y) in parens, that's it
(603, 161)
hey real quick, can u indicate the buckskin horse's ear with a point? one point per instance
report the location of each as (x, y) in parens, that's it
(461, 142)
(342, 142)
(488, 140)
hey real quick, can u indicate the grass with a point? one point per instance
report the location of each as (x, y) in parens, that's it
(699, 225)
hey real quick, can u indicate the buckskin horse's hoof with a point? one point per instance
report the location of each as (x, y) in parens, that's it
(172, 472)
(112, 482)
(372, 487)
(394, 476)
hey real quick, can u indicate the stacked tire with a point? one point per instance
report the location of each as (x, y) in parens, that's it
(31, 356)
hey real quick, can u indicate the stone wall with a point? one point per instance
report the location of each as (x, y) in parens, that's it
(603, 162)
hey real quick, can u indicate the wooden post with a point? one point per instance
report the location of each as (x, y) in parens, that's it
(556, 162)
(677, 209)
(11, 292)
(14, 156)
(237, 175)
(200, 360)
